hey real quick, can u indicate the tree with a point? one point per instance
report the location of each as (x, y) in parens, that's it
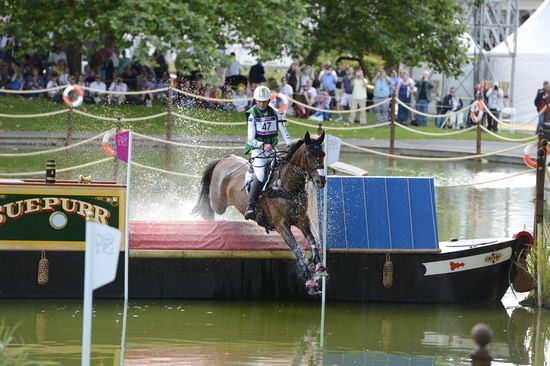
(406, 31)
(199, 28)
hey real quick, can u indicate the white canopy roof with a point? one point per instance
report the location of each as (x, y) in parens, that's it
(532, 35)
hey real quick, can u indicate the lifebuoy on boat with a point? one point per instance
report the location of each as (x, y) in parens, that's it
(80, 96)
(529, 150)
(476, 113)
(105, 143)
(284, 101)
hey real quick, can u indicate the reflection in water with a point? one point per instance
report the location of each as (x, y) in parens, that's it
(235, 333)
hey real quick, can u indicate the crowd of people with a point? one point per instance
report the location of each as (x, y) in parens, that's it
(337, 88)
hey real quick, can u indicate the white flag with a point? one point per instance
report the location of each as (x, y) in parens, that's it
(103, 242)
(332, 149)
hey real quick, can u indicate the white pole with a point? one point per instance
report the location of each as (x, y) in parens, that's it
(88, 301)
(514, 55)
(126, 249)
(324, 244)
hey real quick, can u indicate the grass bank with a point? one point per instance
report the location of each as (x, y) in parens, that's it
(12, 105)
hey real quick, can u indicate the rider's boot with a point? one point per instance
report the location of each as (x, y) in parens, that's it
(253, 193)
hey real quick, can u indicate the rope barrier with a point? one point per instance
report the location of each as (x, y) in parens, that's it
(46, 114)
(186, 145)
(531, 138)
(512, 125)
(165, 171)
(58, 149)
(77, 111)
(338, 128)
(137, 92)
(338, 111)
(223, 100)
(485, 182)
(58, 170)
(433, 159)
(434, 133)
(208, 122)
(432, 115)
(36, 91)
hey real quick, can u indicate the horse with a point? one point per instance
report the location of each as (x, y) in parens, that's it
(223, 182)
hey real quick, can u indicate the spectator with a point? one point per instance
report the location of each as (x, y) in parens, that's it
(34, 82)
(483, 88)
(123, 62)
(292, 77)
(56, 54)
(394, 81)
(327, 79)
(452, 103)
(359, 97)
(323, 102)
(17, 81)
(256, 76)
(234, 66)
(340, 73)
(162, 66)
(98, 86)
(382, 85)
(4, 73)
(541, 101)
(64, 78)
(239, 101)
(404, 89)
(424, 93)
(347, 86)
(286, 88)
(53, 95)
(304, 75)
(495, 105)
(310, 93)
(118, 86)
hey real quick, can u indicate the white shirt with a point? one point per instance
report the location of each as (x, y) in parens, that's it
(52, 84)
(234, 68)
(312, 93)
(122, 87)
(359, 88)
(98, 85)
(64, 79)
(287, 90)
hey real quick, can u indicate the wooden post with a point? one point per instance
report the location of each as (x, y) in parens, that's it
(69, 136)
(482, 335)
(118, 127)
(320, 129)
(169, 120)
(478, 138)
(392, 123)
(539, 190)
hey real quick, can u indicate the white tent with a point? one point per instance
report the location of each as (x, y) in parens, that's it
(532, 61)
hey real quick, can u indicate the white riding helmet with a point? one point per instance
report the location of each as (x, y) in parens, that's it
(262, 93)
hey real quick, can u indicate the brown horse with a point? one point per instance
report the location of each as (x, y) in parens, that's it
(222, 186)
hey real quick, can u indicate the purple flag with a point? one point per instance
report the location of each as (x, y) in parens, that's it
(122, 145)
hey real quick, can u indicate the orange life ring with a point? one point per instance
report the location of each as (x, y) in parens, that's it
(526, 234)
(284, 101)
(80, 96)
(477, 116)
(529, 150)
(105, 143)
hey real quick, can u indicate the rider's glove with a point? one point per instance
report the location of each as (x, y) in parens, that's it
(267, 147)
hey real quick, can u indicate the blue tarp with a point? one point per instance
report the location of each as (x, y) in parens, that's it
(380, 213)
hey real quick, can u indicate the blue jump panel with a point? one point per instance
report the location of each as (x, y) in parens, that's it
(381, 213)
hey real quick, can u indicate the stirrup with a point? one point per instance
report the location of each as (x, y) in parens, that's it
(250, 214)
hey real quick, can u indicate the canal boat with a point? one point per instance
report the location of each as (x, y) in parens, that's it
(381, 238)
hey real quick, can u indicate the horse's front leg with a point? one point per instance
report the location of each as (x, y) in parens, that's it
(286, 233)
(315, 255)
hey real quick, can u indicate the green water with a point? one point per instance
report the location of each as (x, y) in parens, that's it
(235, 333)
(265, 333)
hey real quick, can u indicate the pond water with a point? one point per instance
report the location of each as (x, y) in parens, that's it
(265, 333)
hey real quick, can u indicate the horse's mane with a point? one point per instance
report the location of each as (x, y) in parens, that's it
(293, 148)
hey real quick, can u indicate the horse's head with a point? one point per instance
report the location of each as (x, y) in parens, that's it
(314, 160)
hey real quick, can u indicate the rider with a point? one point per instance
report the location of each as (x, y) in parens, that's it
(264, 123)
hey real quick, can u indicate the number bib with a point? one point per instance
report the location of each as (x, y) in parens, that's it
(266, 126)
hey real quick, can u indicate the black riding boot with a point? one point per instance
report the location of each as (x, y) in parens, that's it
(253, 193)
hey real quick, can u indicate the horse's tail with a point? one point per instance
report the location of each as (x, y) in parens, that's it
(202, 207)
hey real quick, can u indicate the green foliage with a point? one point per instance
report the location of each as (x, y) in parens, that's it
(13, 358)
(196, 29)
(538, 259)
(406, 31)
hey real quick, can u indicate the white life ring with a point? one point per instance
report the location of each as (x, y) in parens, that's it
(80, 96)
(529, 150)
(105, 143)
(284, 101)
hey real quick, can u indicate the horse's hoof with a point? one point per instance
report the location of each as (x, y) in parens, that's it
(320, 268)
(312, 288)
